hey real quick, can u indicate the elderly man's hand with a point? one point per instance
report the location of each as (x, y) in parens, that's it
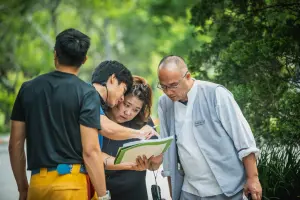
(253, 187)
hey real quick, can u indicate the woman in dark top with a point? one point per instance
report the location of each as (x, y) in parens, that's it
(126, 181)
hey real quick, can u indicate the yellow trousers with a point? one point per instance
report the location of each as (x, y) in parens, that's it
(52, 186)
(95, 197)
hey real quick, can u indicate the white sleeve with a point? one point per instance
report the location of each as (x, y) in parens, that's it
(235, 124)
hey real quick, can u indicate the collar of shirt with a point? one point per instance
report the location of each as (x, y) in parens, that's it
(192, 93)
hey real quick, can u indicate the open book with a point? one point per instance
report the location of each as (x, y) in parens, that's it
(153, 147)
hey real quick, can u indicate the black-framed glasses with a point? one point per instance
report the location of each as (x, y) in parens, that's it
(173, 86)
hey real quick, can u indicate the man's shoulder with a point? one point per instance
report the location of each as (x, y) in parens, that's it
(165, 104)
(41, 77)
(29, 84)
(164, 99)
(208, 84)
(213, 86)
(37, 81)
(86, 86)
(210, 87)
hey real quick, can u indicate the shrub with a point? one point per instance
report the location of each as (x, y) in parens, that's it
(279, 172)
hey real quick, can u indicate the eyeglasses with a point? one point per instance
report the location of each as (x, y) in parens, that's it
(173, 86)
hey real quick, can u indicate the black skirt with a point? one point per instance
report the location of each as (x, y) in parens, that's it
(127, 185)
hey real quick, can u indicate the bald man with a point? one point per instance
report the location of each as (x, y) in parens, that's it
(214, 153)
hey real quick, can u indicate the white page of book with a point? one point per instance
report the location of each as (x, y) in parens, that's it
(147, 141)
(147, 150)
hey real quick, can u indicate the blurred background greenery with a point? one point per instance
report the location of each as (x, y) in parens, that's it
(250, 46)
(133, 32)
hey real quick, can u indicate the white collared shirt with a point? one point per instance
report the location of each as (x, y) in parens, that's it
(199, 179)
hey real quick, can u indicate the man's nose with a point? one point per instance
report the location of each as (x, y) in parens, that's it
(121, 99)
(168, 91)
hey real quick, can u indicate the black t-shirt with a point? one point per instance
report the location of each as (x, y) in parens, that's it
(53, 106)
(125, 184)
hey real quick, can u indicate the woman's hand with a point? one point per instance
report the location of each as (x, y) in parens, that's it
(109, 164)
(124, 166)
(142, 164)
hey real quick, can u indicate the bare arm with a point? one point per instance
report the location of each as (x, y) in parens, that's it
(250, 166)
(253, 185)
(114, 131)
(17, 154)
(109, 163)
(141, 164)
(92, 157)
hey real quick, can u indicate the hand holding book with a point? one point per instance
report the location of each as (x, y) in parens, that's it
(153, 147)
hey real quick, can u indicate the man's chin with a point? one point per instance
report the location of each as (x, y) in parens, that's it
(111, 105)
(173, 98)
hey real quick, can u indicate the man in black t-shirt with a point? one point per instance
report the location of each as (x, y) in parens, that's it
(58, 115)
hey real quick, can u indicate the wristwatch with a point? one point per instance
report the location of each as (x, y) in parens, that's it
(106, 196)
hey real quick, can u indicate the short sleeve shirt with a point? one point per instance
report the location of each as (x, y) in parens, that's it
(100, 136)
(53, 106)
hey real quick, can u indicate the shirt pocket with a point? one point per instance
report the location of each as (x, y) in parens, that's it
(206, 130)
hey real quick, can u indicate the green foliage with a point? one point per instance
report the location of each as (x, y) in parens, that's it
(174, 8)
(137, 33)
(279, 172)
(254, 52)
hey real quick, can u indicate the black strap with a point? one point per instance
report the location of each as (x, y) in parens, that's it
(155, 189)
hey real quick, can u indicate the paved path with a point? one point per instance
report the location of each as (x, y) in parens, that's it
(162, 182)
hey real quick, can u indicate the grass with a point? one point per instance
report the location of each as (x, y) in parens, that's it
(279, 172)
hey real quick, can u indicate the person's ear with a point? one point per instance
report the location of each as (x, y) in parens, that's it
(113, 79)
(85, 59)
(110, 80)
(188, 76)
(54, 55)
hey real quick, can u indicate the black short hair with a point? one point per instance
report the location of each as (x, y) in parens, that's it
(109, 67)
(71, 47)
